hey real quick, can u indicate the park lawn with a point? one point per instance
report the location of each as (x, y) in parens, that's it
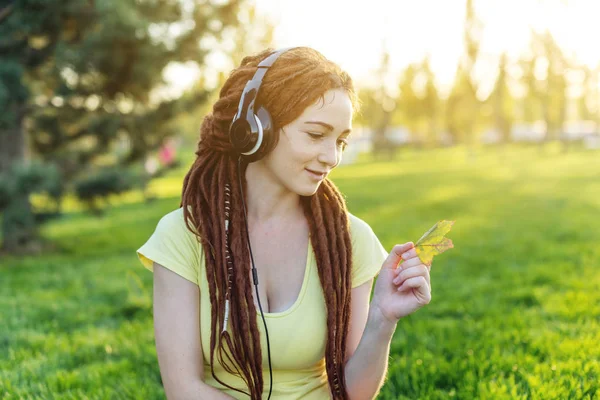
(515, 310)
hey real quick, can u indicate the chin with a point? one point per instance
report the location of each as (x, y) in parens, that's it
(309, 191)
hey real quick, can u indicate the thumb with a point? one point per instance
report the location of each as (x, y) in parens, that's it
(395, 256)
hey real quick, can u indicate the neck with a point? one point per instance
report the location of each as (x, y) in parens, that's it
(266, 199)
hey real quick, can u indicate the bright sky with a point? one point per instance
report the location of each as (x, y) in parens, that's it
(353, 33)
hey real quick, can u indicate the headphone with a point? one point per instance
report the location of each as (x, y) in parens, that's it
(246, 133)
(248, 127)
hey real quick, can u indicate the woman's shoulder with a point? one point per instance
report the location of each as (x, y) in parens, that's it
(364, 238)
(175, 221)
(358, 227)
(173, 217)
(367, 251)
(173, 246)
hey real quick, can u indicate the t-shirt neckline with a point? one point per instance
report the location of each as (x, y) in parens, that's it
(280, 314)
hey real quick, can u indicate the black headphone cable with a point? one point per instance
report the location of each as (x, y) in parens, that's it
(255, 277)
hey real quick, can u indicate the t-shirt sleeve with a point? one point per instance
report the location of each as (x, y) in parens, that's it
(367, 251)
(173, 246)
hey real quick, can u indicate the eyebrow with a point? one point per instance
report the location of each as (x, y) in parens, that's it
(326, 126)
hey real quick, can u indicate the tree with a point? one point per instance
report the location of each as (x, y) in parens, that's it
(369, 106)
(79, 77)
(379, 111)
(502, 101)
(431, 103)
(252, 34)
(255, 33)
(588, 103)
(462, 107)
(409, 103)
(553, 87)
(530, 102)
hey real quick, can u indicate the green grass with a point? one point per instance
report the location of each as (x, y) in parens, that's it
(515, 310)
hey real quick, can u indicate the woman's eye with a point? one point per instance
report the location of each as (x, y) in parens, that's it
(343, 143)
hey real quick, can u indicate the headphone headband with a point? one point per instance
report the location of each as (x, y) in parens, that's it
(248, 127)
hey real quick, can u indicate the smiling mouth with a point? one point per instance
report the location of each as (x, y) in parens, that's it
(316, 175)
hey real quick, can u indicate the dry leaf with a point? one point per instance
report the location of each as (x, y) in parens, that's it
(433, 242)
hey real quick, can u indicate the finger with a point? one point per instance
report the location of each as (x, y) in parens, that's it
(419, 270)
(392, 260)
(413, 262)
(413, 283)
(418, 283)
(410, 253)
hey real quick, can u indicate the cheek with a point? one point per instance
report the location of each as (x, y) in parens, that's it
(302, 150)
(294, 154)
(287, 160)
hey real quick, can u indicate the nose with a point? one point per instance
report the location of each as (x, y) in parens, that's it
(330, 154)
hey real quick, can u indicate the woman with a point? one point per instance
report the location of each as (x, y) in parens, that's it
(270, 217)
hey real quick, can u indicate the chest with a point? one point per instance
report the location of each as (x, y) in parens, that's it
(280, 256)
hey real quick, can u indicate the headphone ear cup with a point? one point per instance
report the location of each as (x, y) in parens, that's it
(255, 139)
(240, 136)
(265, 120)
(243, 139)
(246, 138)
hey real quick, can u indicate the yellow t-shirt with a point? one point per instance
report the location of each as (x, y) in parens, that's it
(297, 336)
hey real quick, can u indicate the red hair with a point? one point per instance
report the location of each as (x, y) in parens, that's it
(297, 80)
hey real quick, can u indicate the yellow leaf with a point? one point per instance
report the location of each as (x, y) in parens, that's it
(433, 242)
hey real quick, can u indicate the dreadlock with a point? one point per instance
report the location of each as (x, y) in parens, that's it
(299, 78)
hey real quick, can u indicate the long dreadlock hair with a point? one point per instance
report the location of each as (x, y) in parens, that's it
(299, 78)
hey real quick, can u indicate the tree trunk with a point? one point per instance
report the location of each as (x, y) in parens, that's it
(381, 144)
(546, 137)
(12, 147)
(18, 225)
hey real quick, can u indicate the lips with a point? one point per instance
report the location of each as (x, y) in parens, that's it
(317, 174)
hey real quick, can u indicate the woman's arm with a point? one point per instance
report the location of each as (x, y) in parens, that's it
(367, 366)
(177, 335)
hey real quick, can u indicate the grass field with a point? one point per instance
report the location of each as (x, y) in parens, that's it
(515, 312)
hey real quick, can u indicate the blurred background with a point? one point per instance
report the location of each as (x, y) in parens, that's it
(483, 112)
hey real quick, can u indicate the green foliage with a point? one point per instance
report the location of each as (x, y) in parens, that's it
(102, 184)
(37, 177)
(26, 179)
(102, 90)
(19, 219)
(515, 309)
(11, 92)
(84, 80)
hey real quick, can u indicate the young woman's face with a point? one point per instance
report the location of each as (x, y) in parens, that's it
(312, 145)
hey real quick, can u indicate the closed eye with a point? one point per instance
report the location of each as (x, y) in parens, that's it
(314, 135)
(343, 143)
